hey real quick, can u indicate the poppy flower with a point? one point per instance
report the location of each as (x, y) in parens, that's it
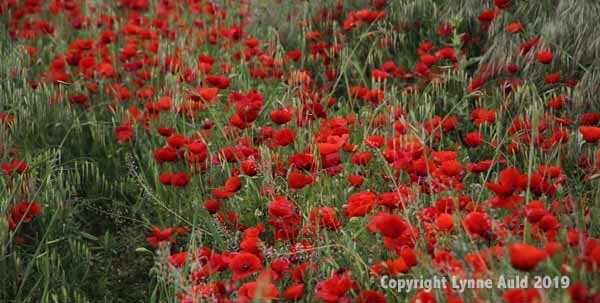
(361, 158)
(7, 120)
(474, 139)
(481, 116)
(360, 204)
(249, 167)
(178, 260)
(488, 15)
(284, 137)
(424, 296)
(552, 78)
(502, 4)
(299, 181)
(356, 180)
(476, 84)
(259, 291)
(445, 29)
(218, 81)
(281, 116)
(477, 224)
(179, 179)
(524, 256)
(208, 94)
(578, 292)
(379, 75)
(544, 57)
(507, 182)
(233, 184)
(428, 59)
(374, 141)
(212, 206)
(17, 166)
(243, 265)
(514, 27)
(325, 217)
(282, 208)
(530, 295)
(479, 167)
(590, 134)
(23, 212)
(124, 133)
(548, 222)
(534, 211)
(369, 16)
(294, 292)
(389, 225)
(451, 168)
(176, 141)
(445, 222)
(371, 296)
(334, 290)
(160, 236)
(589, 118)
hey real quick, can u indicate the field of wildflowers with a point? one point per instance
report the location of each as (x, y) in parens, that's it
(299, 151)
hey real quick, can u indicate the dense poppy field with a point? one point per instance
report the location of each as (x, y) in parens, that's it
(309, 151)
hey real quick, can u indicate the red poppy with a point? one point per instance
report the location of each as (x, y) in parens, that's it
(282, 208)
(389, 225)
(160, 236)
(325, 217)
(178, 259)
(176, 141)
(208, 94)
(212, 206)
(124, 133)
(552, 78)
(590, 134)
(507, 182)
(23, 212)
(524, 256)
(298, 181)
(17, 166)
(474, 139)
(360, 204)
(479, 167)
(179, 179)
(530, 295)
(488, 15)
(428, 59)
(534, 211)
(371, 296)
(219, 81)
(544, 57)
(259, 291)
(424, 296)
(356, 180)
(243, 265)
(514, 27)
(294, 292)
(502, 4)
(334, 290)
(477, 224)
(281, 116)
(362, 158)
(284, 137)
(445, 222)
(233, 184)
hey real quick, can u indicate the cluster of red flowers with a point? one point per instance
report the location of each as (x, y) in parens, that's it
(224, 114)
(24, 211)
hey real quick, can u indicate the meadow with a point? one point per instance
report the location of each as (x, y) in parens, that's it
(299, 151)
